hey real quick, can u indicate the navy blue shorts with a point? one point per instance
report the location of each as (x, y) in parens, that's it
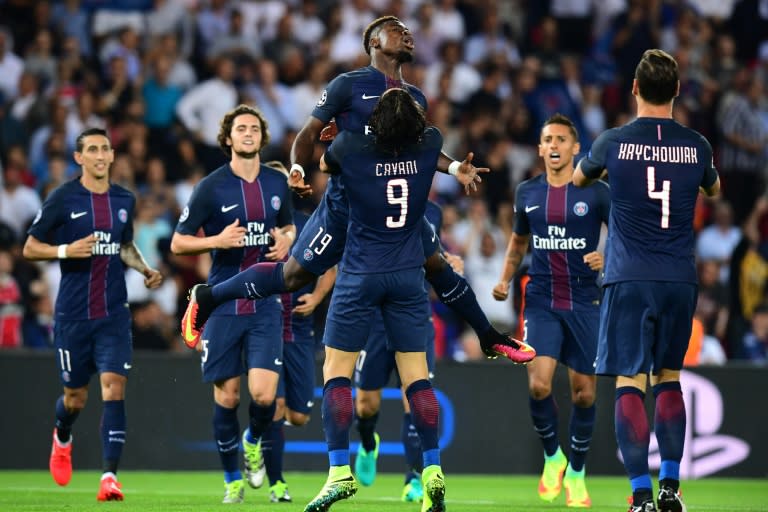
(402, 299)
(645, 326)
(234, 344)
(375, 364)
(297, 379)
(567, 336)
(84, 347)
(321, 243)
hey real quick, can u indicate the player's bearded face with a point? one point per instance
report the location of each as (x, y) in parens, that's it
(245, 136)
(397, 41)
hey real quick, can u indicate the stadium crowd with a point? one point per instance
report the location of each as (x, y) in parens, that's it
(160, 74)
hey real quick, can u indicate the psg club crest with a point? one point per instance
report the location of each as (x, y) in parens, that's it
(308, 254)
(122, 214)
(580, 208)
(275, 202)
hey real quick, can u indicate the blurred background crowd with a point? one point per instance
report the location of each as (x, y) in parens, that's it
(160, 74)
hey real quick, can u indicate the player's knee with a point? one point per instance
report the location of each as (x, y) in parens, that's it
(540, 390)
(76, 402)
(583, 397)
(366, 404)
(297, 419)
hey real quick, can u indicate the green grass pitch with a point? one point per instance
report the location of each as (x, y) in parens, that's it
(147, 491)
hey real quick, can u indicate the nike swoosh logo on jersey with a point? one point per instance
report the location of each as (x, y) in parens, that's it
(529, 209)
(366, 97)
(127, 366)
(278, 362)
(74, 215)
(225, 209)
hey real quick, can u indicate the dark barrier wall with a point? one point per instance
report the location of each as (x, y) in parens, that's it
(485, 423)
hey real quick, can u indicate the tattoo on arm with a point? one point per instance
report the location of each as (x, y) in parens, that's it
(132, 257)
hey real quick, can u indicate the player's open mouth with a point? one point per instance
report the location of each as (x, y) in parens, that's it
(554, 156)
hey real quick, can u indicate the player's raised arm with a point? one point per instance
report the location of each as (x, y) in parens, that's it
(302, 151)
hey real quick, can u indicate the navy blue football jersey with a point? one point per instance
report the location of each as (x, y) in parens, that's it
(349, 99)
(297, 327)
(219, 199)
(387, 200)
(655, 168)
(90, 287)
(564, 225)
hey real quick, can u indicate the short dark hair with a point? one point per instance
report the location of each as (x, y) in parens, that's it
(229, 118)
(657, 77)
(397, 121)
(563, 120)
(374, 26)
(86, 133)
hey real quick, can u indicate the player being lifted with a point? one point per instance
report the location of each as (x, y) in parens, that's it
(350, 99)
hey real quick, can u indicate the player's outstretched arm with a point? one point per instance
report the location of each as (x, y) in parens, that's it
(516, 249)
(232, 236)
(465, 173)
(132, 257)
(35, 249)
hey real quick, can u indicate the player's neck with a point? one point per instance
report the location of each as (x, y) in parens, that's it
(95, 185)
(559, 177)
(390, 67)
(645, 109)
(246, 168)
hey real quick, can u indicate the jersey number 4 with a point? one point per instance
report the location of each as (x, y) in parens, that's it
(397, 194)
(660, 195)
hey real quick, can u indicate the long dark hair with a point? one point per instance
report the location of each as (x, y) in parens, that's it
(397, 121)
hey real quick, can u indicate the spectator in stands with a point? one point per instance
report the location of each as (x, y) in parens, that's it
(11, 309)
(11, 67)
(203, 106)
(755, 344)
(19, 203)
(717, 241)
(742, 148)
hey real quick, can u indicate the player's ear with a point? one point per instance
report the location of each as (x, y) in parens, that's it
(78, 156)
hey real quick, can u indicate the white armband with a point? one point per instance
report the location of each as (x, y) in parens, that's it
(298, 168)
(453, 168)
(62, 251)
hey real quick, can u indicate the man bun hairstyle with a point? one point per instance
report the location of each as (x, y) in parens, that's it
(397, 121)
